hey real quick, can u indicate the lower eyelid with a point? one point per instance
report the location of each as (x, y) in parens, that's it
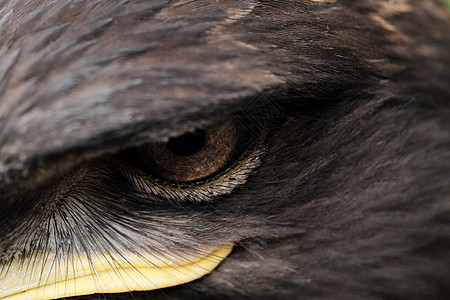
(206, 190)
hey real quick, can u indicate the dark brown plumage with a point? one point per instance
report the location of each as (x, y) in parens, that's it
(348, 196)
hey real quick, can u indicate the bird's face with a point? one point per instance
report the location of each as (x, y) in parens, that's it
(246, 149)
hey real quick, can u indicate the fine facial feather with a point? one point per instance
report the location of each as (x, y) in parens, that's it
(351, 197)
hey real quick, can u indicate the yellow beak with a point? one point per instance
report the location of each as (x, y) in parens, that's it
(52, 277)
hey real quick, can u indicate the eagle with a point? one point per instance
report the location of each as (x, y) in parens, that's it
(200, 149)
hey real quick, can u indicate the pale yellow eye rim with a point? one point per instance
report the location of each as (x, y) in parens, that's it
(83, 276)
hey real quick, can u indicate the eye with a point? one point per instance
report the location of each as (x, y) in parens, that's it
(199, 164)
(192, 155)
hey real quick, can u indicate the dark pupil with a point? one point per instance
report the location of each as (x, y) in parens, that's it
(188, 143)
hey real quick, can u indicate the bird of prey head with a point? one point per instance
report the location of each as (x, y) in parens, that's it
(159, 149)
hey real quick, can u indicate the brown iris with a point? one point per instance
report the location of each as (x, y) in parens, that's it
(192, 155)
